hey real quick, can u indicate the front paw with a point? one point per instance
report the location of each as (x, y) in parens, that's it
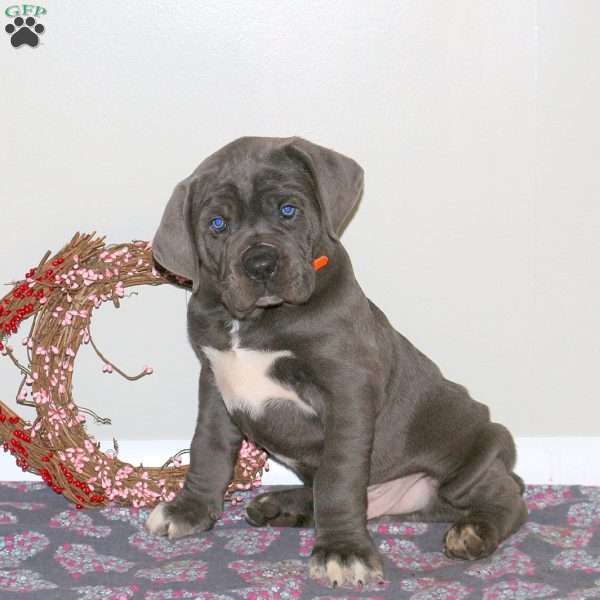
(180, 517)
(356, 563)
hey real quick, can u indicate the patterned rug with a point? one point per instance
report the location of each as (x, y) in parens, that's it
(50, 550)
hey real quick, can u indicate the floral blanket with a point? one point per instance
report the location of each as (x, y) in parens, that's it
(48, 550)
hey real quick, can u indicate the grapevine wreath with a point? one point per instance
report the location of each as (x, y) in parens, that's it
(60, 295)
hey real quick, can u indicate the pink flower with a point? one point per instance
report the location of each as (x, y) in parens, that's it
(148, 370)
(107, 368)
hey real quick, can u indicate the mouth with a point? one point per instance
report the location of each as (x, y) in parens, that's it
(244, 297)
(266, 301)
(253, 307)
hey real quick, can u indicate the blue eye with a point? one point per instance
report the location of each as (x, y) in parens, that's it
(218, 224)
(287, 210)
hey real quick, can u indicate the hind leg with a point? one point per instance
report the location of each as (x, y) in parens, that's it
(494, 510)
(282, 508)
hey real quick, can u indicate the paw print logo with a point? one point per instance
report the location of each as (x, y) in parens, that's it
(24, 31)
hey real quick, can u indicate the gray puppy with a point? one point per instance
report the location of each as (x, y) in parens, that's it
(300, 361)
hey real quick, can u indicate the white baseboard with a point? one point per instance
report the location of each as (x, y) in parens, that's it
(558, 460)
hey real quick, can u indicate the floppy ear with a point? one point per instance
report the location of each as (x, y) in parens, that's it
(173, 244)
(339, 182)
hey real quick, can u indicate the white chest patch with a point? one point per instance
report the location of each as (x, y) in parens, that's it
(284, 460)
(242, 376)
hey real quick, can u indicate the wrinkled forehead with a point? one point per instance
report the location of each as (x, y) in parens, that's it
(250, 175)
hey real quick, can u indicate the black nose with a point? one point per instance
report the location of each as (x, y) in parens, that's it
(260, 261)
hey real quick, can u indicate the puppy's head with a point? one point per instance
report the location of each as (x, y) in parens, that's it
(252, 217)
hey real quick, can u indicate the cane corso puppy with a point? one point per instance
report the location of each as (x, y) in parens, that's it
(296, 358)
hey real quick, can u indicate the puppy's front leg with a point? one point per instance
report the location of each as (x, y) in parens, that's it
(344, 551)
(213, 453)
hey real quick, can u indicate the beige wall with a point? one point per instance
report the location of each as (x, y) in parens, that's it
(476, 122)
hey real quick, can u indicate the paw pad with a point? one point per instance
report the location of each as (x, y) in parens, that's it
(470, 541)
(24, 31)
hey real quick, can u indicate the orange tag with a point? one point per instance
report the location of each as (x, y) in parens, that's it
(320, 262)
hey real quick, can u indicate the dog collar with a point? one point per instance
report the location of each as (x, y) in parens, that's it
(320, 262)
